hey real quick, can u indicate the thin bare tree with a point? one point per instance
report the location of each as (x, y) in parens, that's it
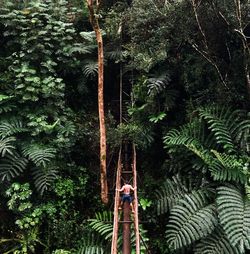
(94, 7)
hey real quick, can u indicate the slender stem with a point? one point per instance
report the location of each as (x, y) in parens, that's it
(212, 62)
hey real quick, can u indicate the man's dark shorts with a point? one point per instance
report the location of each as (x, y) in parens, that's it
(127, 198)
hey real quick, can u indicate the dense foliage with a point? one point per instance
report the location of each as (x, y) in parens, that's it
(187, 64)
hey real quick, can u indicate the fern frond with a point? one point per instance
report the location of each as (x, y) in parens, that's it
(6, 145)
(227, 168)
(169, 194)
(115, 54)
(67, 129)
(102, 225)
(44, 178)
(90, 69)
(92, 244)
(6, 105)
(82, 48)
(39, 154)
(190, 220)
(88, 36)
(158, 84)
(171, 95)
(216, 243)
(191, 134)
(12, 166)
(225, 125)
(242, 134)
(9, 128)
(234, 216)
(6, 108)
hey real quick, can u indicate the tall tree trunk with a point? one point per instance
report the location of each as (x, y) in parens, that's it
(93, 16)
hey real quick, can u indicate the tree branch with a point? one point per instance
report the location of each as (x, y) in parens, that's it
(211, 61)
(198, 23)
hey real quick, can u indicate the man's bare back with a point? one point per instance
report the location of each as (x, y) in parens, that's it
(126, 189)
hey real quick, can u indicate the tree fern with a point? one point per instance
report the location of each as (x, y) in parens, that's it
(234, 216)
(190, 220)
(40, 155)
(44, 178)
(216, 243)
(6, 145)
(12, 166)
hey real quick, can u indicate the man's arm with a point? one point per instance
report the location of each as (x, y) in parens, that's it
(131, 187)
(120, 189)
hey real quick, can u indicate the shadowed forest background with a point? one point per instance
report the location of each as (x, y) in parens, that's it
(187, 65)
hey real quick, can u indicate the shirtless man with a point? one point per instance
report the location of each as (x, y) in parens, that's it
(126, 195)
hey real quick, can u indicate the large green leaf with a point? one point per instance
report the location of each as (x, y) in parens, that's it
(190, 220)
(216, 243)
(234, 215)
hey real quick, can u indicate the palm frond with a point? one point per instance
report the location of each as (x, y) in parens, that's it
(216, 243)
(82, 48)
(11, 127)
(92, 244)
(102, 224)
(5, 104)
(188, 135)
(67, 129)
(227, 168)
(157, 85)
(234, 216)
(12, 166)
(227, 125)
(90, 69)
(190, 220)
(39, 154)
(169, 193)
(115, 54)
(44, 178)
(171, 95)
(6, 145)
(6, 107)
(241, 132)
(88, 36)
